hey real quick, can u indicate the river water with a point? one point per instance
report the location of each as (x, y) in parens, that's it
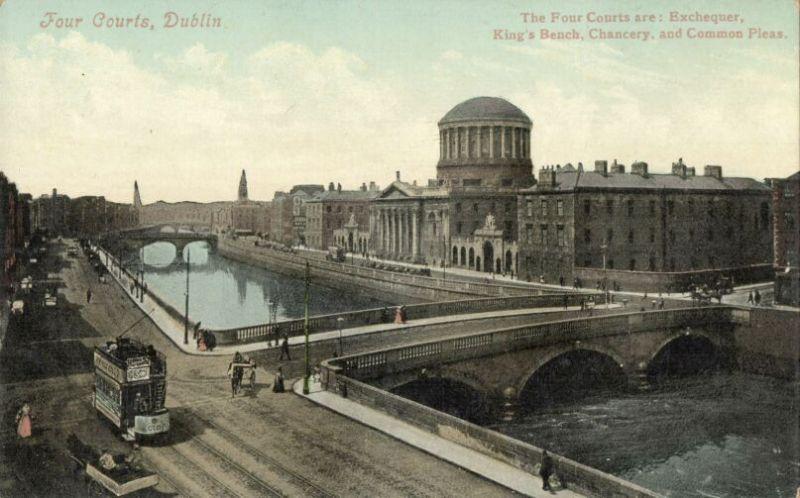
(228, 294)
(715, 435)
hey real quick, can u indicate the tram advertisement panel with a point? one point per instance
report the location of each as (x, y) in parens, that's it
(108, 398)
(101, 364)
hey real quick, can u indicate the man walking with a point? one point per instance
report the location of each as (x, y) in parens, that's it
(750, 298)
(546, 470)
(758, 298)
(285, 349)
(88, 296)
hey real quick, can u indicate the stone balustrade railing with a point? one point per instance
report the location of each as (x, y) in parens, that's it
(378, 363)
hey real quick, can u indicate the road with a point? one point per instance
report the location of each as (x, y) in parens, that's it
(260, 444)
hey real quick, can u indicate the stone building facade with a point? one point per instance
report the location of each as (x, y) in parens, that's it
(49, 213)
(244, 215)
(91, 215)
(15, 227)
(340, 217)
(786, 234)
(470, 209)
(288, 224)
(641, 229)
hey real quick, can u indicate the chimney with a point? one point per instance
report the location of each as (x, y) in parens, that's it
(372, 187)
(338, 187)
(639, 168)
(679, 168)
(617, 168)
(364, 187)
(397, 174)
(601, 167)
(690, 171)
(547, 177)
(55, 193)
(414, 183)
(712, 170)
(330, 187)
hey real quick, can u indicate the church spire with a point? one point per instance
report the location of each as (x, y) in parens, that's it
(137, 199)
(242, 188)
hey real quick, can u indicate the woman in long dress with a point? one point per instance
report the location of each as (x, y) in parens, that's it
(24, 421)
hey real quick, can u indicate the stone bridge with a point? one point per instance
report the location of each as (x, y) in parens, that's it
(501, 363)
(178, 235)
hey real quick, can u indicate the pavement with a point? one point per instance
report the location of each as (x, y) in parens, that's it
(471, 460)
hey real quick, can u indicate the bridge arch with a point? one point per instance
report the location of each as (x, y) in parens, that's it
(453, 394)
(685, 351)
(611, 358)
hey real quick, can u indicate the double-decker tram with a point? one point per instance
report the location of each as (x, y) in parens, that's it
(131, 387)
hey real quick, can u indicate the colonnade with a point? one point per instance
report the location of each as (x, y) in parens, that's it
(481, 141)
(398, 231)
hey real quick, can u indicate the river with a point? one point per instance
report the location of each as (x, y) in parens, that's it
(726, 434)
(228, 294)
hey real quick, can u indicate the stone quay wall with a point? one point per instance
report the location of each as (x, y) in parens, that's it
(651, 281)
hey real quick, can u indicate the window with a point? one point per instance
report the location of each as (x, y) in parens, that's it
(652, 264)
(543, 232)
(712, 261)
(475, 207)
(610, 264)
(764, 215)
(652, 205)
(691, 234)
(507, 182)
(587, 206)
(632, 265)
(652, 235)
(630, 207)
(458, 207)
(508, 207)
(587, 262)
(560, 207)
(587, 236)
(529, 233)
(529, 207)
(711, 212)
(670, 206)
(630, 236)
(672, 236)
(472, 182)
(543, 207)
(560, 235)
(710, 234)
(327, 209)
(671, 264)
(458, 228)
(788, 220)
(509, 230)
(610, 206)
(609, 235)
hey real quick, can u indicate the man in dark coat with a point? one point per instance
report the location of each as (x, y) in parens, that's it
(285, 349)
(546, 470)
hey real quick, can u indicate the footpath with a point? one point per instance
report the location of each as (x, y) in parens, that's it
(471, 460)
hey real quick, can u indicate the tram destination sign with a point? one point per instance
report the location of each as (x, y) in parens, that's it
(108, 368)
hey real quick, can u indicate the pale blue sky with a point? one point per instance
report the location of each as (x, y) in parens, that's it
(351, 91)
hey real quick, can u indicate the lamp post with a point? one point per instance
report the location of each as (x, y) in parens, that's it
(604, 248)
(186, 311)
(339, 324)
(305, 330)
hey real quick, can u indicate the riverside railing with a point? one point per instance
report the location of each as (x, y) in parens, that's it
(374, 316)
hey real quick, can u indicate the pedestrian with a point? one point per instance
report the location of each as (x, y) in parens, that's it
(277, 386)
(398, 315)
(196, 329)
(561, 280)
(88, 296)
(285, 349)
(583, 305)
(24, 429)
(385, 315)
(235, 373)
(546, 470)
(565, 300)
(750, 298)
(661, 304)
(211, 339)
(757, 298)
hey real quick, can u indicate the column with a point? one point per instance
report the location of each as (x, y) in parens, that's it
(478, 142)
(514, 142)
(414, 235)
(402, 216)
(502, 141)
(467, 131)
(491, 141)
(395, 232)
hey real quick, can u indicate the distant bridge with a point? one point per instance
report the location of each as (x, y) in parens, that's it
(178, 235)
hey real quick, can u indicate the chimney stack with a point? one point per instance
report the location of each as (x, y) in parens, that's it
(338, 187)
(547, 177)
(372, 186)
(330, 187)
(679, 168)
(397, 174)
(713, 170)
(639, 168)
(601, 167)
(364, 187)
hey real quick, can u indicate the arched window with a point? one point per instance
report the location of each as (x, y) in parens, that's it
(471, 257)
(454, 259)
(463, 256)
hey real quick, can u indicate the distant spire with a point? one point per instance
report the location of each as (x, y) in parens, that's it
(137, 199)
(242, 188)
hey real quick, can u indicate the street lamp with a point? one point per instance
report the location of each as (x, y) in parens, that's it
(339, 324)
(305, 330)
(186, 312)
(604, 248)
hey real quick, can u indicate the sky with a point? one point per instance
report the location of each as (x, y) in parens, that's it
(351, 91)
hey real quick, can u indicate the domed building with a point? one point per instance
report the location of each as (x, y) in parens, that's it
(485, 141)
(466, 216)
